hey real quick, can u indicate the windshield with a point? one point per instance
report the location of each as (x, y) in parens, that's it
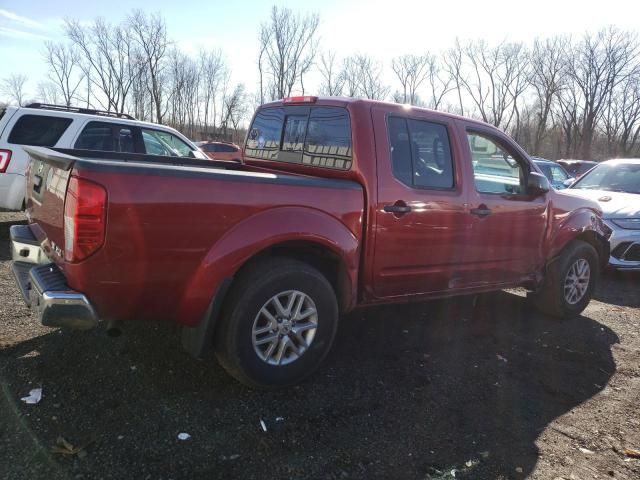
(618, 177)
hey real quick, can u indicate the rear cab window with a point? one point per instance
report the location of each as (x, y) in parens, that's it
(38, 130)
(315, 136)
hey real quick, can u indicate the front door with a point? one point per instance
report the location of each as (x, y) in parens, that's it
(421, 217)
(508, 223)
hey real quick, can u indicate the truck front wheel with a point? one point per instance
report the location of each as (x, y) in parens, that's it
(278, 324)
(569, 282)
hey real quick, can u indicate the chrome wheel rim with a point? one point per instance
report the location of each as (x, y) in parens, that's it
(285, 327)
(577, 280)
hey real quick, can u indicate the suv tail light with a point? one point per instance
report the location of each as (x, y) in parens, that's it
(5, 157)
(85, 208)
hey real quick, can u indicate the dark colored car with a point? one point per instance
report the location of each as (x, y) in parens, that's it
(555, 173)
(221, 151)
(577, 168)
(339, 204)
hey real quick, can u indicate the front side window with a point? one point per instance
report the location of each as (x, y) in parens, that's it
(38, 130)
(420, 153)
(157, 142)
(495, 170)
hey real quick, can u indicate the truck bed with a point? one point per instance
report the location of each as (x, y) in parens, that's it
(170, 220)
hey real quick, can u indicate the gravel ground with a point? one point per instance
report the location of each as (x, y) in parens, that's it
(484, 390)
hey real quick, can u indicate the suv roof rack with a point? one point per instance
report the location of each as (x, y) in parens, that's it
(88, 111)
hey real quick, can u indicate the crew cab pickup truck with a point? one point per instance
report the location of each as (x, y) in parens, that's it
(338, 204)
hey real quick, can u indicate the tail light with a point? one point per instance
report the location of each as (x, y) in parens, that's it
(301, 99)
(85, 209)
(5, 157)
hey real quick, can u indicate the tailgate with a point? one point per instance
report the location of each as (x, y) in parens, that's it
(47, 179)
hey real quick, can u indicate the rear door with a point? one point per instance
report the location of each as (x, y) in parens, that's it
(421, 214)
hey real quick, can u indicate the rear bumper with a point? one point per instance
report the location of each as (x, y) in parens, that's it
(44, 287)
(12, 189)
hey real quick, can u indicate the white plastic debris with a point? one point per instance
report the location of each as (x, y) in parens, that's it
(263, 425)
(34, 397)
(500, 357)
(184, 436)
(279, 419)
(586, 451)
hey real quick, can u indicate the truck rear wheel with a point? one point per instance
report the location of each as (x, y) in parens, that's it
(278, 324)
(570, 281)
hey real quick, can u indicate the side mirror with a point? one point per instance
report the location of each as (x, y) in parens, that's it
(569, 181)
(537, 184)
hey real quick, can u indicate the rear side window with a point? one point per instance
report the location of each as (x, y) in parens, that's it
(420, 153)
(227, 148)
(321, 137)
(106, 137)
(38, 130)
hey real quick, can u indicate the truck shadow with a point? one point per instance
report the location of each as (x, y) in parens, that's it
(411, 391)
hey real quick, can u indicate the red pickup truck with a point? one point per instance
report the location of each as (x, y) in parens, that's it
(339, 204)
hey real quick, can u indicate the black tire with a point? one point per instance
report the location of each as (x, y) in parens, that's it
(233, 340)
(551, 298)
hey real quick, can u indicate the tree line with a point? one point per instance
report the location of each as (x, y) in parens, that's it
(559, 97)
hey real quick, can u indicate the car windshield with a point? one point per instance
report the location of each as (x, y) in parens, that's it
(617, 177)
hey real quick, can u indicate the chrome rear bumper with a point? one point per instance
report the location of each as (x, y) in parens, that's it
(44, 287)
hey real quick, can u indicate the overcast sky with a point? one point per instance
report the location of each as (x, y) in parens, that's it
(382, 29)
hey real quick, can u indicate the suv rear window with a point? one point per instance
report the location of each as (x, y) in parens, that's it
(321, 137)
(38, 130)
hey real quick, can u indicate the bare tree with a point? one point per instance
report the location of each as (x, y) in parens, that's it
(287, 49)
(363, 78)
(13, 87)
(621, 120)
(48, 92)
(548, 68)
(497, 78)
(412, 71)
(453, 64)
(109, 60)
(439, 79)
(64, 69)
(332, 78)
(213, 70)
(235, 108)
(598, 64)
(149, 32)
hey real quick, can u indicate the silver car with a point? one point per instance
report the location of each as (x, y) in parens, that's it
(615, 185)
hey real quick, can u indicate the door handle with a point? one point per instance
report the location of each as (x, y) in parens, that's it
(399, 208)
(481, 211)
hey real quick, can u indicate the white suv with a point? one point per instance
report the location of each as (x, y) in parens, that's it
(76, 128)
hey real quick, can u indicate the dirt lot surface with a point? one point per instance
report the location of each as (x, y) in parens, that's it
(446, 389)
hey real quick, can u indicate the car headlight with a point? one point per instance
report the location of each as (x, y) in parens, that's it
(628, 223)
